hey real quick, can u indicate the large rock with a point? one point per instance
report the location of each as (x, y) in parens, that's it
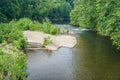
(36, 37)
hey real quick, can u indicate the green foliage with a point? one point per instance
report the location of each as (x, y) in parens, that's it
(16, 44)
(1, 37)
(28, 24)
(108, 21)
(36, 26)
(49, 28)
(10, 32)
(3, 17)
(71, 2)
(101, 15)
(23, 23)
(84, 13)
(22, 43)
(47, 40)
(34, 9)
(15, 34)
(12, 61)
(116, 39)
(59, 9)
(12, 64)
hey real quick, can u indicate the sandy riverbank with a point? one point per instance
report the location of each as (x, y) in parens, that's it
(36, 37)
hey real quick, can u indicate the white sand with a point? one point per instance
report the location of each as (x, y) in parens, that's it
(58, 40)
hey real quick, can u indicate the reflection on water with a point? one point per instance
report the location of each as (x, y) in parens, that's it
(93, 58)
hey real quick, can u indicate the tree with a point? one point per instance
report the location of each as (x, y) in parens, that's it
(10, 8)
(34, 9)
(101, 15)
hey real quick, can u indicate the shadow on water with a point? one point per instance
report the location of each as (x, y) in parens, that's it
(93, 58)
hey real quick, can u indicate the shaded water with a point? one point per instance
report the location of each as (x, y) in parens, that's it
(93, 58)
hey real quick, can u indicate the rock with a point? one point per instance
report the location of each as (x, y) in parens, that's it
(36, 39)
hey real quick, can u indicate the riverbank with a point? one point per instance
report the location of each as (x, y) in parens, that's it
(35, 40)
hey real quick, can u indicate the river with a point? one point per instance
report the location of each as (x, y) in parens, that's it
(93, 58)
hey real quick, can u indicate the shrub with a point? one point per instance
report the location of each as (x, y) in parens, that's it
(24, 23)
(36, 26)
(116, 39)
(54, 30)
(5, 30)
(22, 43)
(16, 44)
(12, 64)
(47, 40)
(49, 28)
(15, 34)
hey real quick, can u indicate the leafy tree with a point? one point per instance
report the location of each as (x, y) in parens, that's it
(34, 9)
(59, 9)
(10, 8)
(83, 13)
(3, 18)
(71, 2)
(101, 15)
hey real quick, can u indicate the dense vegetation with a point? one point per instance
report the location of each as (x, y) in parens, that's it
(12, 63)
(9, 30)
(101, 15)
(12, 60)
(34, 9)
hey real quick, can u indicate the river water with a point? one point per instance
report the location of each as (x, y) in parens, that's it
(93, 58)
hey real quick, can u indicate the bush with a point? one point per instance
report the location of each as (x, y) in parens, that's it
(15, 34)
(24, 23)
(22, 43)
(5, 30)
(12, 64)
(116, 39)
(54, 30)
(49, 28)
(28, 24)
(47, 40)
(36, 26)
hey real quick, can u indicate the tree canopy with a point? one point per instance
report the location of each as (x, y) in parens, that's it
(34, 9)
(101, 15)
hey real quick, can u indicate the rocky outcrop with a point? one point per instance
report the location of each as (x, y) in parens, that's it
(35, 40)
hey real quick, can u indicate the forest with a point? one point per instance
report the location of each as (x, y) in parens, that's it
(34, 9)
(100, 15)
(16, 16)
